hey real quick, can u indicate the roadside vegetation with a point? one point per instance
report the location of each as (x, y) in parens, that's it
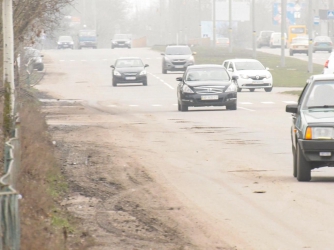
(293, 75)
(45, 224)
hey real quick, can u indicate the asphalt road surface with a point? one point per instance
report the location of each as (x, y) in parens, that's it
(231, 169)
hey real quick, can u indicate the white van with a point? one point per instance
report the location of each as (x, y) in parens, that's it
(275, 40)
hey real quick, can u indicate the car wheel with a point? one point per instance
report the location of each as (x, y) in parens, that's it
(164, 71)
(238, 89)
(303, 166)
(40, 68)
(329, 51)
(80, 47)
(294, 162)
(112, 47)
(114, 84)
(306, 53)
(251, 90)
(232, 106)
(183, 107)
(291, 53)
(145, 83)
(268, 89)
(178, 106)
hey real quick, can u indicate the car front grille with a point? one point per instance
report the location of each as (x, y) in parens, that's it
(209, 90)
(256, 78)
(179, 62)
(130, 74)
(256, 85)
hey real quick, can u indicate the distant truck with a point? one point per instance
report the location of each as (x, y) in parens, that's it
(88, 39)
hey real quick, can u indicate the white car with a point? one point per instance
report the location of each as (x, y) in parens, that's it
(251, 74)
(329, 65)
(276, 40)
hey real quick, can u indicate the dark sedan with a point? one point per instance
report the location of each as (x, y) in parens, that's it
(312, 130)
(129, 70)
(206, 85)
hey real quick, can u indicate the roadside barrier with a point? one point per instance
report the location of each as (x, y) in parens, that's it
(9, 198)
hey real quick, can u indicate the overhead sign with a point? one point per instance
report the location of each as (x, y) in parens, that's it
(316, 20)
(330, 14)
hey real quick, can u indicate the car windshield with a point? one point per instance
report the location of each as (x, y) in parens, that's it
(321, 95)
(322, 39)
(121, 36)
(178, 51)
(300, 40)
(250, 65)
(65, 39)
(297, 30)
(127, 63)
(207, 75)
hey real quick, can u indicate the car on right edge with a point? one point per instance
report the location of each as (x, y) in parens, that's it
(312, 131)
(251, 74)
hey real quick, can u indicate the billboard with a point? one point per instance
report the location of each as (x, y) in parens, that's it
(293, 11)
(240, 10)
(221, 29)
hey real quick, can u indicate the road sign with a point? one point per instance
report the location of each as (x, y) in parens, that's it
(330, 14)
(316, 20)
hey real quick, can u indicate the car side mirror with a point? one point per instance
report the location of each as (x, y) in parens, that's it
(146, 65)
(194, 53)
(292, 108)
(162, 54)
(112, 66)
(179, 79)
(229, 69)
(234, 78)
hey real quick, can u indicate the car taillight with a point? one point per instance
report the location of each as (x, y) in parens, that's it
(326, 64)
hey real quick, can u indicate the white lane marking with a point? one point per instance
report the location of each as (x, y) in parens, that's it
(247, 103)
(290, 102)
(246, 109)
(133, 105)
(174, 104)
(72, 60)
(112, 105)
(61, 60)
(156, 105)
(169, 86)
(148, 58)
(268, 102)
(105, 59)
(158, 58)
(83, 60)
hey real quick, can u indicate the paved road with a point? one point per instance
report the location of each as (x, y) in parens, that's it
(232, 169)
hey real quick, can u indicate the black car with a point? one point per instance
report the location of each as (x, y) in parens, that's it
(206, 85)
(177, 58)
(121, 41)
(129, 70)
(65, 42)
(312, 131)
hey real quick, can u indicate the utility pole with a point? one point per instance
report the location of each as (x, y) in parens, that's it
(214, 23)
(310, 36)
(253, 27)
(283, 25)
(8, 49)
(230, 25)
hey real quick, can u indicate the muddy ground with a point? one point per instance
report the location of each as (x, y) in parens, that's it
(118, 202)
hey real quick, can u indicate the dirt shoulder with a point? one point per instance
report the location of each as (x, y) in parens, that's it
(118, 201)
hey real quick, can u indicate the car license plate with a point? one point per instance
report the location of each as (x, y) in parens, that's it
(258, 82)
(209, 97)
(130, 78)
(179, 66)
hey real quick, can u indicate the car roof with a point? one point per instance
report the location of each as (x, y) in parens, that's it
(242, 60)
(322, 77)
(128, 58)
(201, 66)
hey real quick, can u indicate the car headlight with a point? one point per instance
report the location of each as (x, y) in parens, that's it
(191, 59)
(167, 59)
(113, 42)
(39, 60)
(127, 42)
(143, 73)
(58, 42)
(319, 133)
(186, 89)
(244, 76)
(71, 43)
(116, 73)
(231, 88)
(268, 76)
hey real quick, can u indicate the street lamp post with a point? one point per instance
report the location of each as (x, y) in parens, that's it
(283, 39)
(254, 30)
(230, 26)
(214, 23)
(310, 36)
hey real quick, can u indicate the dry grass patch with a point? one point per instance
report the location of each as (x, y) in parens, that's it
(44, 224)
